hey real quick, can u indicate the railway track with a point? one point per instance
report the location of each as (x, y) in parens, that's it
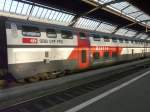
(50, 100)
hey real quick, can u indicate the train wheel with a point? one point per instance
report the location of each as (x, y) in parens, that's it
(44, 76)
(21, 81)
(53, 75)
(33, 79)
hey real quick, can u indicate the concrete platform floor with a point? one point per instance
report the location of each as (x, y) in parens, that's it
(132, 98)
(133, 95)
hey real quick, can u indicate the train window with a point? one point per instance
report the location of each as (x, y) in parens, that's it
(31, 31)
(132, 41)
(66, 34)
(82, 35)
(51, 33)
(136, 42)
(114, 40)
(96, 55)
(46, 54)
(127, 41)
(83, 56)
(121, 40)
(96, 37)
(132, 52)
(106, 39)
(106, 54)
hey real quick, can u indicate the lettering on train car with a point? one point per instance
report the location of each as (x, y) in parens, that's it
(51, 41)
(30, 40)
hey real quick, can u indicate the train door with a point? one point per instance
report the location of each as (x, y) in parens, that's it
(142, 52)
(132, 52)
(83, 50)
(83, 56)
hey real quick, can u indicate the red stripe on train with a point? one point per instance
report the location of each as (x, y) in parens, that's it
(30, 40)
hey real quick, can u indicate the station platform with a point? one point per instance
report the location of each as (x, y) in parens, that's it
(132, 98)
(131, 94)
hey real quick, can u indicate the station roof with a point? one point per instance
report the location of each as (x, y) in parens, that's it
(118, 17)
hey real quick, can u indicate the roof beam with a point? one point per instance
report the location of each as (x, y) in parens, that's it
(147, 37)
(136, 35)
(98, 25)
(92, 2)
(30, 11)
(139, 16)
(125, 8)
(117, 28)
(133, 12)
(76, 18)
(126, 26)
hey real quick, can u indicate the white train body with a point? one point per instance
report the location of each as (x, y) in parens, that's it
(32, 48)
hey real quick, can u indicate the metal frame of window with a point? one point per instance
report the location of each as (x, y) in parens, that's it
(126, 9)
(32, 11)
(86, 23)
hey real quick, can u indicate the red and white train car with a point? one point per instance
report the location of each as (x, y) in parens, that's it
(30, 48)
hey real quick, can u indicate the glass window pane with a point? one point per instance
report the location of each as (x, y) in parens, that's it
(62, 17)
(58, 17)
(69, 18)
(103, 1)
(40, 10)
(13, 6)
(48, 13)
(143, 17)
(82, 35)
(44, 13)
(106, 38)
(96, 55)
(66, 34)
(19, 8)
(65, 18)
(104, 27)
(7, 5)
(92, 24)
(115, 40)
(35, 10)
(25, 9)
(135, 14)
(121, 31)
(80, 22)
(121, 40)
(2, 4)
(55, 15)
(51, 15)
(96, 37)
(106, 54)
(83, 55)
(130, 33)
(30, 31)
(130, 9)
(51, 33)
(29, 9)
(86, 23)
(120, 5)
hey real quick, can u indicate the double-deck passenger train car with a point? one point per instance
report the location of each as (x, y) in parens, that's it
(30, 48)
